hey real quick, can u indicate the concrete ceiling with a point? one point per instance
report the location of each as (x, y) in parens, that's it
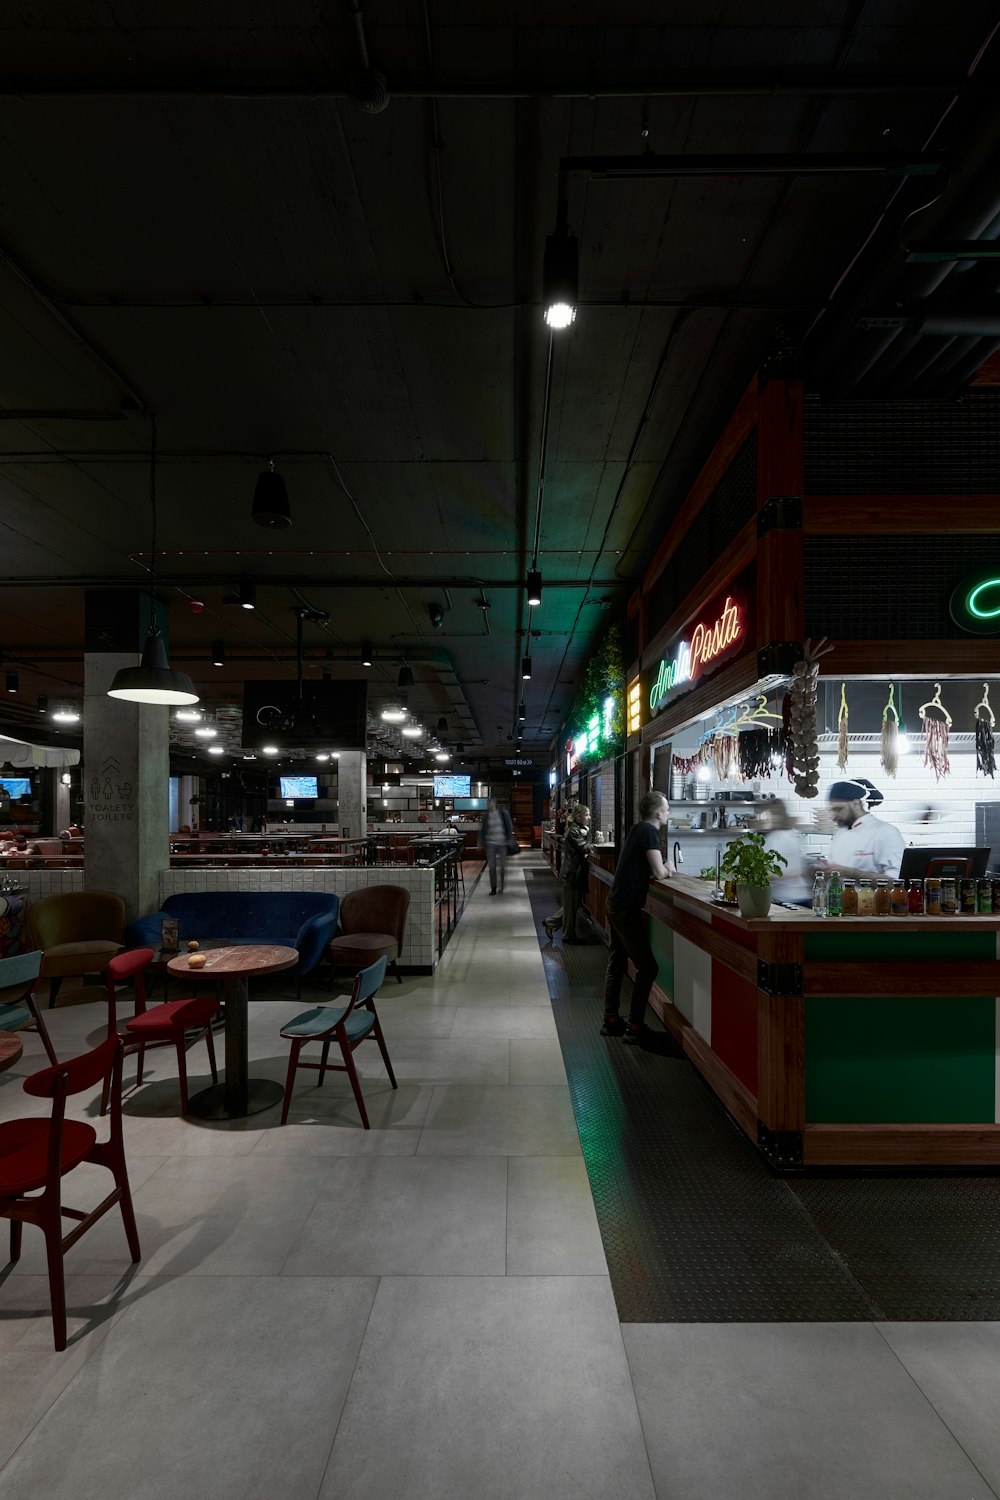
(199, 222)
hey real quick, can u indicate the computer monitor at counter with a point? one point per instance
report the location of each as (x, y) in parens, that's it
(918, 864)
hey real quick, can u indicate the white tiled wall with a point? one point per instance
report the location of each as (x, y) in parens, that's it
(38, 883)
(420, 946)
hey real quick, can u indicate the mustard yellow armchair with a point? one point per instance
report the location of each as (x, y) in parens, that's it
(76, 933)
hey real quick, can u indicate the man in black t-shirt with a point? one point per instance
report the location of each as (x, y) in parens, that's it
(640, 862)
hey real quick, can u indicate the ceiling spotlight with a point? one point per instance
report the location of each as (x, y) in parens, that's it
(248, 594)
(560, 277)
(42, 704)
(526, 668)
(206, 731)
(367, 653)
(405, 678)
(13, 683)
(270, 500)
(436, 614)
(520, 712)
(216, 749)
(67, 715)
(534, 587)
(218, 654)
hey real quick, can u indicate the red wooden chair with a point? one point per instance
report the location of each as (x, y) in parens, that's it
(166, 1025)
(36, 1154)
(348, 1026)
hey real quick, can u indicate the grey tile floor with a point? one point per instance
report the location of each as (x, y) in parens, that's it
(423, 1309)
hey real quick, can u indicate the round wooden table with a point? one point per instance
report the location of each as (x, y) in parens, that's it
(11, 1048)
(238, 1095)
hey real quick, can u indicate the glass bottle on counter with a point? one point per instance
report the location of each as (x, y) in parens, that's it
(882, 902)
(949, 896)
(932, 896)
(915, 898)
(898, 906)
(834, 895)
(819, 894)
(849, 900)
(984, 898)
(967, 897)
(866, 898)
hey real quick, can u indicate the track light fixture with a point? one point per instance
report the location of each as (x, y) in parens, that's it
(367, 653)
(560, 276)
(520, 712)
(534, 587)
(442, 725)
(405, 678)
(270, 500)
(42, 704)
(218, 654)
(526, 668)
(248, 594)
(13, 684)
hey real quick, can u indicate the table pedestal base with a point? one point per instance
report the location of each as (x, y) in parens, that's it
(212, 1104)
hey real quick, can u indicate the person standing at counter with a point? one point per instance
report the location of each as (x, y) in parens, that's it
(572, 873)
(863, 844)
(640, 862)
(497, 833)
(783, 837)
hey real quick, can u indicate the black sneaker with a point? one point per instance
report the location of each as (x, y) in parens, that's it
(613, 1026)
(635, 1038)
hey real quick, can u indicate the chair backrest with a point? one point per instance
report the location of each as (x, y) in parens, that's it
(20, 969)
(79, 1073)
(124, 965)
(76, 917)
(376, 908)
(368, 982)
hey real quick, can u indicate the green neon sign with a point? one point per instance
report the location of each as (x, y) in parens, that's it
(975, 603)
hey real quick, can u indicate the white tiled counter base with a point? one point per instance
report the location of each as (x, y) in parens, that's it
(420, 946)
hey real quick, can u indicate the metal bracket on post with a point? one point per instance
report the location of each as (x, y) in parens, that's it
(779, 979)
(781, 1149)
(778, 659)
(780, 513)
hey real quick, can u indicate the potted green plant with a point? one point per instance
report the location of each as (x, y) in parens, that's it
(753, 867)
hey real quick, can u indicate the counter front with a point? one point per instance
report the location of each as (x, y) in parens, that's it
(839, 1041)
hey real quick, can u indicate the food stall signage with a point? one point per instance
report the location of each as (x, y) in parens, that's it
(975, 604)
(707, 643)
(599, 726)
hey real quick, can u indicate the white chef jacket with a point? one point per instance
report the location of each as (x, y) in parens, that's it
(869, 844)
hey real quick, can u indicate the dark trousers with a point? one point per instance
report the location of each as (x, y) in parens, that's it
(627, 931)
(566, 916)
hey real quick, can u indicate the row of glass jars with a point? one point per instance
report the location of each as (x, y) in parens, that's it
(934, 897)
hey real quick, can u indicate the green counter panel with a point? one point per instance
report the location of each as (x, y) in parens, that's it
(910, 1060)
(661, 940)
(883, 944)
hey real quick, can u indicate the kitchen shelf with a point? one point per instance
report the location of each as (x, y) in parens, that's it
(700, 832)
(720, 801)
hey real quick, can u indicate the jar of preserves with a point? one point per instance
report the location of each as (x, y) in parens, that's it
(866, 898)
(897, 900)
(849, 903)
(949, 896)
(967, 897)
(915, 898)
(984, 898)
(882, 890)
(932, 896)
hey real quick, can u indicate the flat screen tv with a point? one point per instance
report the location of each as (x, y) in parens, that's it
(299, 786)
(953, 862)
(452, 786)
(328, 715)
(16, 786)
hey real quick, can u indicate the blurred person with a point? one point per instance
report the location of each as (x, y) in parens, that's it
(640, 863)
(573, 868)
(497, 833)
(782, 835)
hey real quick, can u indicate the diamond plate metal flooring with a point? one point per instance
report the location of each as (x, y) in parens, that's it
(695, 1227)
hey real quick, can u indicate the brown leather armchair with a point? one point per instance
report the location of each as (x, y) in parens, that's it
(77, 934)
(373, 923)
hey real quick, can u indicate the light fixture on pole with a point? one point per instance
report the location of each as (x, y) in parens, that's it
(13, 684)
(218, 654)
(42, 704)
(520, 712)
(248, 594)
(526, 668)
(152, 681)
(405, 678)
(270, 500)
(560, 275)
(534, 587)
(442, 725)
(367, 653)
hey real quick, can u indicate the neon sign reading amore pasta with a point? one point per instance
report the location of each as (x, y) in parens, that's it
(708, 642)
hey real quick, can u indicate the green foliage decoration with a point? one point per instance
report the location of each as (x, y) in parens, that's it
(603, 679)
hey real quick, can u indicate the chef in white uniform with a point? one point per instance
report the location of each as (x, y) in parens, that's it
(863, 844)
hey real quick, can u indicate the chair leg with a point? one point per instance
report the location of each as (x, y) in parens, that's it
(139, 1064)
(54, 984)
(43, 1031)
(210, 1040)
(15, 1240)
(57, 1284)
(394, 966)
(182, 1073)
(293, 1062)
(377, 1029)
(352, 1074)
(323, 1062)
(128, 1212)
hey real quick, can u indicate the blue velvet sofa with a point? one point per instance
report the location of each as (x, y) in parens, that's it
(305, 920)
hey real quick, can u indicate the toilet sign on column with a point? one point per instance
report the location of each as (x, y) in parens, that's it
(110, 794)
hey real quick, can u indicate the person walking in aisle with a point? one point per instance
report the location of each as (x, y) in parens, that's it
(640, 862)
(573, 874)
(497, 833)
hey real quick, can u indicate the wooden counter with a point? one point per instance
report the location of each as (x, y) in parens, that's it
(838, 1041)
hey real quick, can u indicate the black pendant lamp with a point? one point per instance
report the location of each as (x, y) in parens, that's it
(270, 500)
(152, 681)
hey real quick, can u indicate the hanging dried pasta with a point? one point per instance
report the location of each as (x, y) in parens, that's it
(936, 735)
(843, 748)
(889, 745)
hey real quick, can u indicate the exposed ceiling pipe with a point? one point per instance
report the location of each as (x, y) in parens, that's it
(292, 580)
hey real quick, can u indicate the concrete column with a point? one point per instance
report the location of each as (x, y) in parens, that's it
(352, 792)
(126, 762)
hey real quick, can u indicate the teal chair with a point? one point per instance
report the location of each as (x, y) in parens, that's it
(348, 1026)
(18, 976)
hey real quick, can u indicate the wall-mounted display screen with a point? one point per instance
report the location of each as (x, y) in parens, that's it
(16, 786)
(325, 716)
(470, 804)
(452, 786)
(299, 786)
